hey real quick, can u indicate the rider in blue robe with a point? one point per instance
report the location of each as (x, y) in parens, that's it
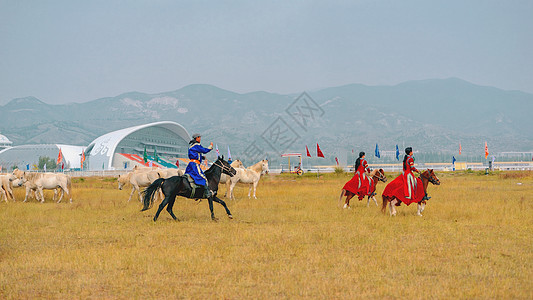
(195, 155)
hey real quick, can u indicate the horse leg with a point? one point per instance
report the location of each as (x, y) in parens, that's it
(368, 200)
(161, 206)
(131, 194)
(28, 191)
(392, 207)
(3, 193)
(41, 194)
(421, 207)
(249, 191)
(255, 187)
(62, 193)
(139, 192)
(232, 186)
(218, 200)
(228, 184)
(347, 202)
(9, 193)
(170, 206)
(210, 201)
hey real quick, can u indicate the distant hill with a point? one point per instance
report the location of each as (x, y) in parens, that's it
(430, 115)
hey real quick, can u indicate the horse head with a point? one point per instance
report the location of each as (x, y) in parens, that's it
(431, 176)
(264, 166)
(381, 175)
(123, 180)
(237, 164)
(225, 166)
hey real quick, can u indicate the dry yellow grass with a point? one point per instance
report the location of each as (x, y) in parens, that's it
(474, 241)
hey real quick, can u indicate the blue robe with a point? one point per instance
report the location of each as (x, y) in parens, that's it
(195, 152)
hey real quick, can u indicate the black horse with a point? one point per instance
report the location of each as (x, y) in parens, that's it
(180, 186)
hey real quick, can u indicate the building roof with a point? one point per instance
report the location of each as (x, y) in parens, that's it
(4, 140)
(101, 150)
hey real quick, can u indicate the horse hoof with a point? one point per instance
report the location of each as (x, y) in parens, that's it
(230, 216)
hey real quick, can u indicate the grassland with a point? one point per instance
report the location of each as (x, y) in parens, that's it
(474, 241)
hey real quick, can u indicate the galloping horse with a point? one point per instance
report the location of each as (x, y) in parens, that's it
(394, 192)
(180, 186)
(376, 176)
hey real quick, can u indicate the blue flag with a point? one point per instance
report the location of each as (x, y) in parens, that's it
(377, 151)
(397, 153)
(453, 162)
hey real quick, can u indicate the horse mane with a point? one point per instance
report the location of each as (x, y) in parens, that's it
(32, 175)
(258, 166)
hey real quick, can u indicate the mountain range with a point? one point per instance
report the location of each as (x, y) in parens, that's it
(434, 115)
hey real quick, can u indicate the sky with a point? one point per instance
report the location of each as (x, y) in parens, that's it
(77, 51)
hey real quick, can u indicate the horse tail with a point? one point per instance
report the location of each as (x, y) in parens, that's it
(149, 192)
(384, 205)
(343, 192)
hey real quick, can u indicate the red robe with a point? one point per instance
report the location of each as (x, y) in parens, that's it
(407, 188)
(360, 184)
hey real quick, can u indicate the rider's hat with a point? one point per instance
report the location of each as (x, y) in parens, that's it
(196, 135)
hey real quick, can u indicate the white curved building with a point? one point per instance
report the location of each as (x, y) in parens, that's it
(5, 142)
(122, 149)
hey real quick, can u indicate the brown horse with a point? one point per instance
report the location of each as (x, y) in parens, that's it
(426, 177)
(377, 176)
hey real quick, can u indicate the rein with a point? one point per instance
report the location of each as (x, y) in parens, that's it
(429, 178)
(223, 167)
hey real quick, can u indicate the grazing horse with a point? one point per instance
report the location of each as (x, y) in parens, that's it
(375, 177)
(180, 186)
(394, 192)
(250, 176)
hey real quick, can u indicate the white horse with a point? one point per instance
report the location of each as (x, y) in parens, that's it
(137, 179)
(249, 176)
(167, 173)
(38, 182)
(6, 185)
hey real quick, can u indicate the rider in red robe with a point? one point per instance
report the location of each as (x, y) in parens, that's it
(360, 182)
(407, 188)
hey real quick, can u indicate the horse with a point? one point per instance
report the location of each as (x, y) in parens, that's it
(250, 176)
(138, 178)
(50, 181)
(6, 185)
(376, 176)
(180, 186)
(166, 173)
(395, 194)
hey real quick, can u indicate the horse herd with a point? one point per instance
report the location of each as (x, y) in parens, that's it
(139, 178)
(151, 183)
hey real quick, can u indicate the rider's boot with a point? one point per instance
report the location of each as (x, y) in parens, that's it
(426, 197)
(207, 192)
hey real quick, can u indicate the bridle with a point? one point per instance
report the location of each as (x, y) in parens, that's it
(429, 178)
(381, 177)
(223, 167)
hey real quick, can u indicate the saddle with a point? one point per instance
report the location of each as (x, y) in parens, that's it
(197, 191)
